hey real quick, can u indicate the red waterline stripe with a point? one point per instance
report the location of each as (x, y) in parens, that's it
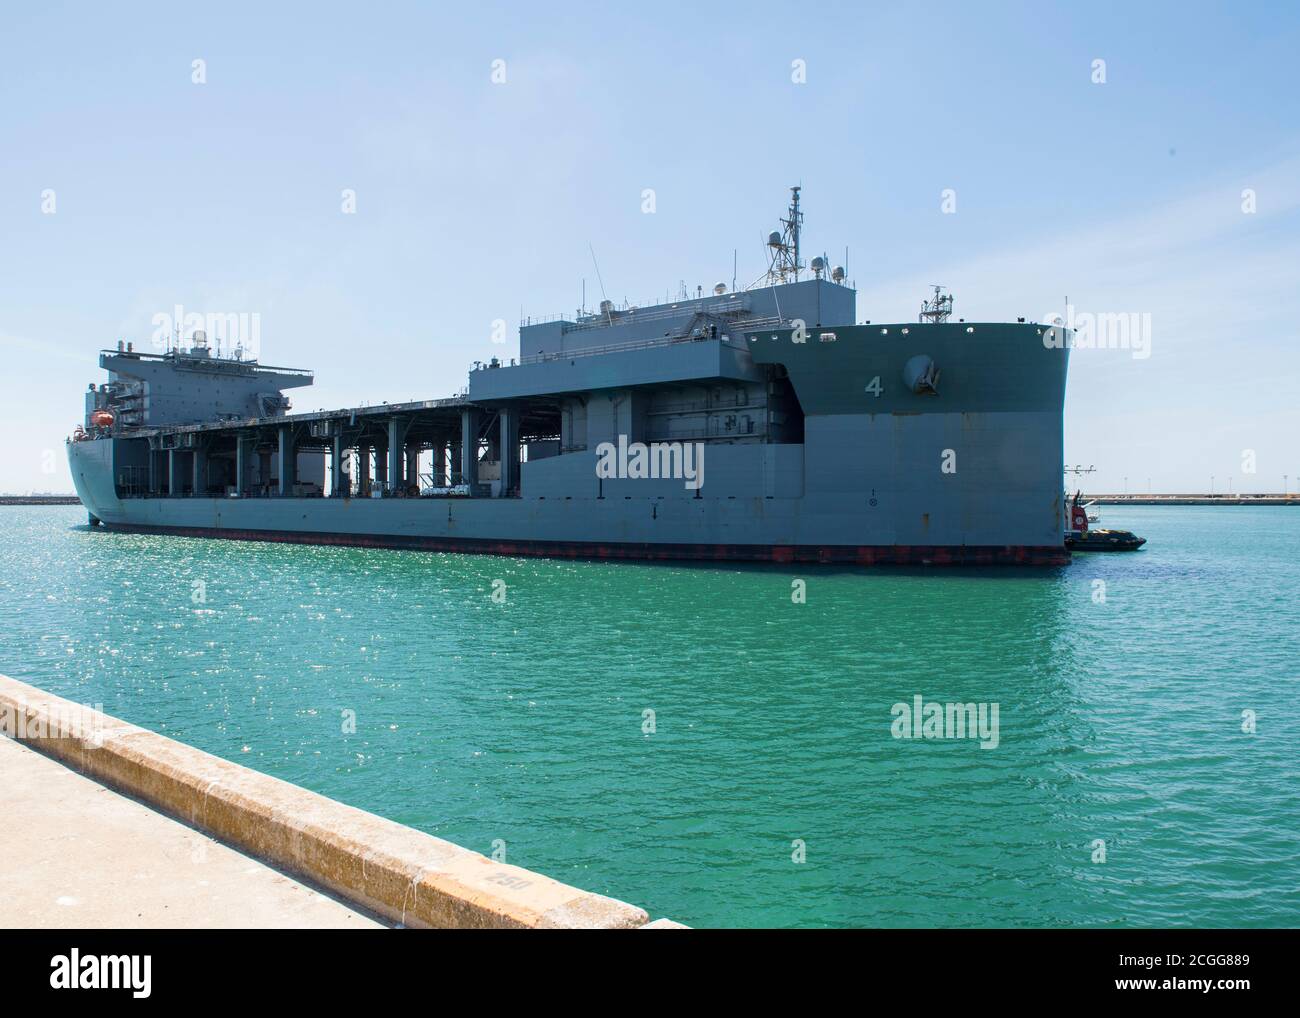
(867, 555)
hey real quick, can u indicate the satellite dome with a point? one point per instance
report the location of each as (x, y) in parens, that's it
(774, 239)
(818, 264)
(837, 273)
(719, 288)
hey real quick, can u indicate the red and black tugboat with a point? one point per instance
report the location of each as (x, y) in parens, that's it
(1078, 537)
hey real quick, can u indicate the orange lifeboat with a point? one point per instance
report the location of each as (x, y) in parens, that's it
(102, 418)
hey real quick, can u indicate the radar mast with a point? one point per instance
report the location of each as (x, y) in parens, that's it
(783, 248)
(937, 309)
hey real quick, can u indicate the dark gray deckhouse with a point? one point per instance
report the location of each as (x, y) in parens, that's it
(758, 424)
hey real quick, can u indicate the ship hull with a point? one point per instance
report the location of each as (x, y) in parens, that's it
(883, 471)
(861, 555)
(809, 529)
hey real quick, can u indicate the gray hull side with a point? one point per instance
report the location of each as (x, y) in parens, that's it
(977, 465)
(881, 498)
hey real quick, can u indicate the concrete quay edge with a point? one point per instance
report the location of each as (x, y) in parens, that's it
(405, 875)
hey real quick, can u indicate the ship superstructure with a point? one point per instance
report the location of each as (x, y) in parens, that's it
(754, 424)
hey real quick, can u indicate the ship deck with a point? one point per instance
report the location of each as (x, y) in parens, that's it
(450, 408)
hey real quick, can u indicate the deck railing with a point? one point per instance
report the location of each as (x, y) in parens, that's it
(731, 340)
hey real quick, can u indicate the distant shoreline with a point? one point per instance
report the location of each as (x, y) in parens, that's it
(1193, 499)
(39, 500)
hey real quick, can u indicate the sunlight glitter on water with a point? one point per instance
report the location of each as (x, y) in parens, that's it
(525, 721)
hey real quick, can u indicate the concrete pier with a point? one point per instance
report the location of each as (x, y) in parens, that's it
(400, 874)
(77, 854)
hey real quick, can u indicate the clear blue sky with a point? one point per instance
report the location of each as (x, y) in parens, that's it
(476, 199)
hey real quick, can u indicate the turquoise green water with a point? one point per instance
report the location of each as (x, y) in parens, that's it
(522, 721)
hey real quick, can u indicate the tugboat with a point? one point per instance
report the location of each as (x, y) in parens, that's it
(1080, 538)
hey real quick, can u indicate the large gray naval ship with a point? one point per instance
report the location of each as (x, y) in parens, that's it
(752, 424)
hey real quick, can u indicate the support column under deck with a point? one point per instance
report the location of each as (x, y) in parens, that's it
(509, 444)
(469, 427)
(394, 454)
(412, 477)
(336, 467)
(173, 475)
(199, 482)
(288, 460)
(439, 463)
